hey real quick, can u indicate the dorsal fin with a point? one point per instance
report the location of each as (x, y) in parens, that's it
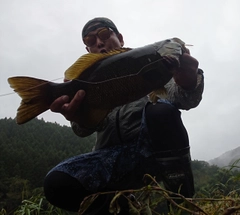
(88, 60)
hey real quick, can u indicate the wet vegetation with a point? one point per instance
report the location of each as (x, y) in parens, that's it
(29, 151)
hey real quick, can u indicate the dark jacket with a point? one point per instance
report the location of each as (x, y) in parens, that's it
(122, 125)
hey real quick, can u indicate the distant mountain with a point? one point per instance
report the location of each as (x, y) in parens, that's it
(226, 159)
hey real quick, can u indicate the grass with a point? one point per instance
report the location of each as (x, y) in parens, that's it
(148, 198)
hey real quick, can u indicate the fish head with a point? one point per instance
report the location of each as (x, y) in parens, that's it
(173, 47)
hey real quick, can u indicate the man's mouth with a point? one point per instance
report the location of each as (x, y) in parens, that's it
(103, 51)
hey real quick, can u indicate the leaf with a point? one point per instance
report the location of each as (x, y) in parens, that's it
(86, 203)
(114, 205)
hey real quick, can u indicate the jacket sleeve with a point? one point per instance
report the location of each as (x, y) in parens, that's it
(80, 131)
(185, 99)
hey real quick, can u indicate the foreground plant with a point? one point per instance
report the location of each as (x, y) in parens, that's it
(149, 197)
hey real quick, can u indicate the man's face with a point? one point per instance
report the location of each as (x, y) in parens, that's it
(104, 45)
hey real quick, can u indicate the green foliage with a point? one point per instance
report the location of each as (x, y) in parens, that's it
(148, 199)
(29, 151)
(38, 205)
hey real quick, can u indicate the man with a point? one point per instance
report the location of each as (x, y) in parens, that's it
(134, 139)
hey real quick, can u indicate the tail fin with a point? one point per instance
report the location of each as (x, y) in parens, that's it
(34, 97)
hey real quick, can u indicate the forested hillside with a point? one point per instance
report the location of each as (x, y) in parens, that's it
(29, 151)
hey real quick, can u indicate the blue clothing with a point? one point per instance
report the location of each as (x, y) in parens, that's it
(122, 166)
(105, 169)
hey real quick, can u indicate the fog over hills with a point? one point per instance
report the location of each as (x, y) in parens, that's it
(227, 159)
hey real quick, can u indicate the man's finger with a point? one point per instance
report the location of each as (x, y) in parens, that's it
(57, 105)
(75, 102)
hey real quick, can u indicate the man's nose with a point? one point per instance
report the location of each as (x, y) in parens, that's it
(99, 42)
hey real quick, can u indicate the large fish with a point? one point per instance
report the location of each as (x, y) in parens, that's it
(109, 79)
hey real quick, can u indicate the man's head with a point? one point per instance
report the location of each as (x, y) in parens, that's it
(101, 35)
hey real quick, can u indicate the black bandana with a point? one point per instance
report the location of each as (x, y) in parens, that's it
(100, 22)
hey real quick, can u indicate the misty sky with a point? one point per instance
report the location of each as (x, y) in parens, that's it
(43, 38)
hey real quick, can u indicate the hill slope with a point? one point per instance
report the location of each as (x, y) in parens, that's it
(30, 150)
(226, 159)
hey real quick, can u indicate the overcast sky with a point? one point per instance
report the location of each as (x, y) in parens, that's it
(41, 38)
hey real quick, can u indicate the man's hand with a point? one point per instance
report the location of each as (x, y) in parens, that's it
(68, 108)
(186, 75)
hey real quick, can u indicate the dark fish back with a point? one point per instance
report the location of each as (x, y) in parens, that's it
(120, 65)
